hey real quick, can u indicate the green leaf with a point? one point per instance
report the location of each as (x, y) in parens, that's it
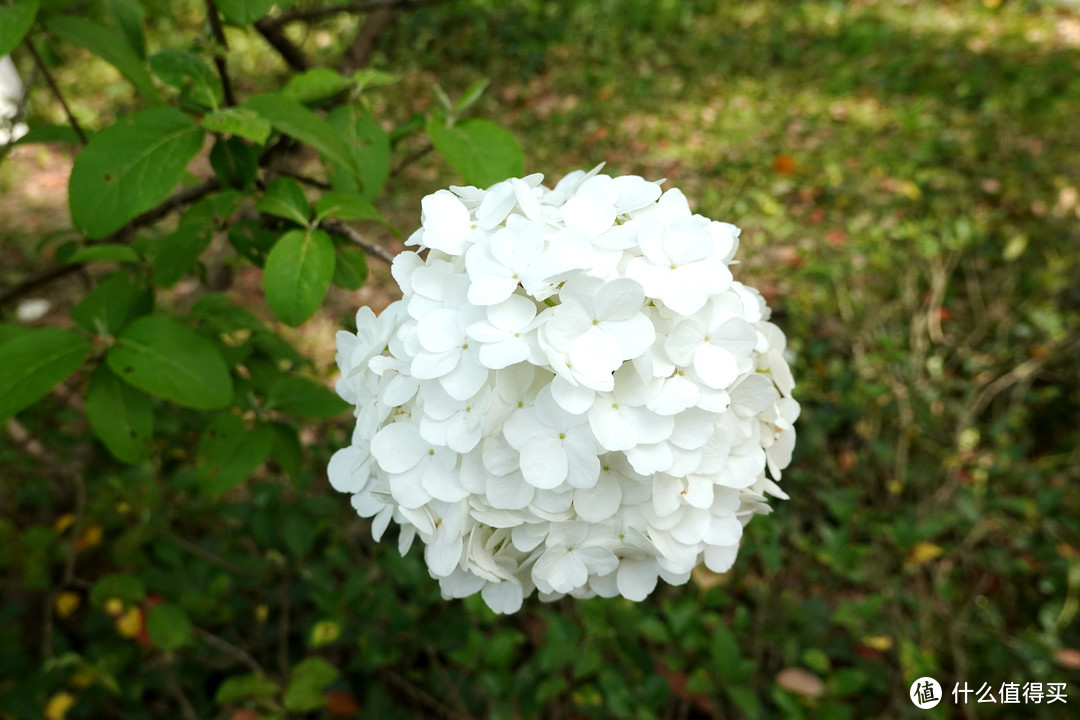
(168, 626)
(229, 452)
(309, 679)
(298, 272)
(10, 331)
(15, 22)
(346, 207)
(245, 687)
(34, 362)
(480, 150)
(186, 71)
(367, 77)
(170, 361)
(130, 167)
(235, 163)
(317, 85)
(299, 396)
(370, 145)
(287, 451)
(241, 122)
(290, 117)
(129, 16)
(112, 305)
(284, 198)
(350, 270)
(111, 46)
(253, 241)
(50, 134)
(178, 251)
(107, 252)
(298, 532)
(129, 588)
(473, 93)
(121, 416)
(244, 12)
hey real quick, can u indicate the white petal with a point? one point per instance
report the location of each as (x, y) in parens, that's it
(574, 399)
(509, 492)
(398, 447)
(715, 366)
(349, 469)
(599, 502)
(503, 354)
(612, 430)
(591, 213)
(439, 331)
(503, 598)
(543, 462)
(720, 558)
(496, 205)
(637, 578)
(443, 558)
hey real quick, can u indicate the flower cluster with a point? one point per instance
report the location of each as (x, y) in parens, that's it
(573, 396)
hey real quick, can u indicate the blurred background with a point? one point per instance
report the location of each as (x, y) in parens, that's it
(906, 176)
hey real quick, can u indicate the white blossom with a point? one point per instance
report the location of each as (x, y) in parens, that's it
(573, 396)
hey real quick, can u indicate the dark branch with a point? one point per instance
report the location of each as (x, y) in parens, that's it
(367, 38)
(318, 13)
(185, 197)
(410, 159)
(222, 47)
(371, 248)
(291, 54)
(56, 91)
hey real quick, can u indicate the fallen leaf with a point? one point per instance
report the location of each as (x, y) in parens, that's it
(924, 552)
(1068, 658)
(90, 538)
(784, 164)
(66, 604)
(800, 682)
(58, 706)
(341, 704)
(878, 642)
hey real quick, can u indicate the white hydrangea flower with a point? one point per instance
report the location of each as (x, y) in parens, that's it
(573, 396)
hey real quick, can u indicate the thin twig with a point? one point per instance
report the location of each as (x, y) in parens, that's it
(56, 91)
(420, 697)
(222, 47)
(283, 630)
(306, 180)
(187, 710)
(291, 54)
(199, 551)
(340, 228)
(184, 197)
(410, 159)
(228, 648)
(318, 13)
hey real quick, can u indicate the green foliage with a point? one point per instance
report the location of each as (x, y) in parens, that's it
(905, 178)
(15, 20)
(299, 269)
(130, 167)
(34, 362)
(166, 359)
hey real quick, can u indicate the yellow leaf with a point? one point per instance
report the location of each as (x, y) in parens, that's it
(67, 603)
(82, 679)
(63, 523)
(324, 633)
(129, 624)
(58, 706)
(881, 643)
(114, 607)
(924, 552)
(91, 538)
(262, 611)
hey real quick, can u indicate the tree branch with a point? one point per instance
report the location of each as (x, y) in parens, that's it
(291, 54)
(411, 158)
(184, 197)
(56, 91)
(318, 13)
(228, 648)
(339, 228)
(220, 49)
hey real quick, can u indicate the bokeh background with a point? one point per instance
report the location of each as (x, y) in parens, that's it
(906, 175)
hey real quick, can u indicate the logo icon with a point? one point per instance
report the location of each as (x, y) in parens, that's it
(925, 693)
